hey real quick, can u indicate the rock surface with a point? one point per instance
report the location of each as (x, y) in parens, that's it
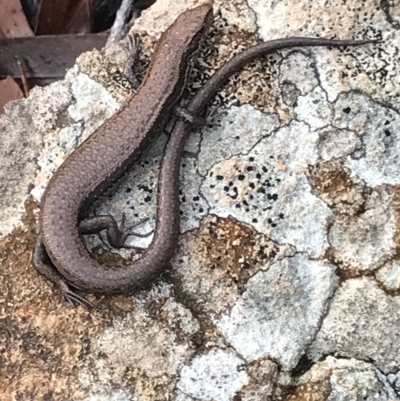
(285, 285)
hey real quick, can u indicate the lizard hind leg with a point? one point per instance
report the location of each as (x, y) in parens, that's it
(116, 235)
(43, 265)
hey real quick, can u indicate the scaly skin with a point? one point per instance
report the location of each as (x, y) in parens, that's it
(67, 252)
(105, 156)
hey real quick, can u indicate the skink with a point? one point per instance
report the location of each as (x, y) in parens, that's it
(62, 256)
(106, 155)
